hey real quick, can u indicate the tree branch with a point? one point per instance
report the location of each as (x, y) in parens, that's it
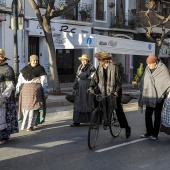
(36, 10)
(50, 6)
(65, 10)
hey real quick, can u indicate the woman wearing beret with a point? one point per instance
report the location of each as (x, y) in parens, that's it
(8, 114)
(83, 102)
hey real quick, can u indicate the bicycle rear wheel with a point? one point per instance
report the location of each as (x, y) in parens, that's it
(115, 128)
(93, 129)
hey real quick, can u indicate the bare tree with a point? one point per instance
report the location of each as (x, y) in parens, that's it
(44, 20)
(162, 20)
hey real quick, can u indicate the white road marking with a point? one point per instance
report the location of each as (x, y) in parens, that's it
(123, 144)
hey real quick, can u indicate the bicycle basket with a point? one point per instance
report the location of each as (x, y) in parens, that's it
(126, 98)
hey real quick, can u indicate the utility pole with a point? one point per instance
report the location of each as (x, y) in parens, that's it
(15, 28)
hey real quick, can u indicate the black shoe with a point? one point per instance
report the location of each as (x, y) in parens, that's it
(128, 132)
(146, 135)
(74, 124)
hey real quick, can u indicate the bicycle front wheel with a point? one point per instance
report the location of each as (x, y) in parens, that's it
(115, 128)
(93, 129)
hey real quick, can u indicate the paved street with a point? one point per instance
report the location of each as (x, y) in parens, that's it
(57, 146)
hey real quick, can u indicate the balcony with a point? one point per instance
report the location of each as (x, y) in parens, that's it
(83, 12)
(2, 3)
(122, 22)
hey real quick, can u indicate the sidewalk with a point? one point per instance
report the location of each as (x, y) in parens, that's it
(59, 100)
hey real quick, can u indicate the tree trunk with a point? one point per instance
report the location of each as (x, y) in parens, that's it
(52, 55)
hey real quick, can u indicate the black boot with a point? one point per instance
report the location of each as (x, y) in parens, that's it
(128, 132)
(75, 124)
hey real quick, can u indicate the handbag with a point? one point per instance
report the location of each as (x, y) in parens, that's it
(126, 98)
(70, 98)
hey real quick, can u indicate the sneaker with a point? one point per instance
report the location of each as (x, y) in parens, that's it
(154, 137)
(146, 135)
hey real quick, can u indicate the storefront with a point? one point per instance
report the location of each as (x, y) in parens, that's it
(71, 41)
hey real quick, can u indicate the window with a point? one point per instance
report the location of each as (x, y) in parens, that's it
(41, 3)
(100, 10)
(144, 5)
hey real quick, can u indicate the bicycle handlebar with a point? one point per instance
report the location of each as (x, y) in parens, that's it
(100, 97)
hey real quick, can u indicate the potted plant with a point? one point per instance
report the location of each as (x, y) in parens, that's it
(138, 76)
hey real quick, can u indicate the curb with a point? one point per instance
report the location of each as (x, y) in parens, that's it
(58, 103)
(65, 113)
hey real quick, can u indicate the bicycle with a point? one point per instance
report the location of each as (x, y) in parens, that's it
(96, 121)
(97, 114)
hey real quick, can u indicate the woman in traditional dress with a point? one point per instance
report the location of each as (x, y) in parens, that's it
(8, 114)
(33, 87)
(83, 102)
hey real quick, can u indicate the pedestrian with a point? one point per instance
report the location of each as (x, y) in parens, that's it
(8, 113)
(108, 79)
(83, 101)
(165, 116)
(153, 86)
(33, 87)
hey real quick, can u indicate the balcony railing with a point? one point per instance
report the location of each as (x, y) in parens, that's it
(83, 12)
(124, 22)
(2, 2)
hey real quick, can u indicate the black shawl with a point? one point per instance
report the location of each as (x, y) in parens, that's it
(30, 72)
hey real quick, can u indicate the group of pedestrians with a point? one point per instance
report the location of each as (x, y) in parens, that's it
(32, 89)
(106, 80)
(154, 95)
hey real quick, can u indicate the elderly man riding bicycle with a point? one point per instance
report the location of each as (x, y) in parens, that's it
(107, 79)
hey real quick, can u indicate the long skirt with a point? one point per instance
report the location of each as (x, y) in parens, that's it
(83, 103)
(29, 119)
(8, 119)
(31, 105)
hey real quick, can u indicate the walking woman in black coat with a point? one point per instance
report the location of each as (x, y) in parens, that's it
(83, 102)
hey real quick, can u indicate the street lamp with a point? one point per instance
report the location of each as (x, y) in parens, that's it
(15, 28)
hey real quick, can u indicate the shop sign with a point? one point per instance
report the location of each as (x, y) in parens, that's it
(102, 43)
(112, 43)
(57, 39)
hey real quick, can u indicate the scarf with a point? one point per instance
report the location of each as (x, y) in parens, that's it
(30, 72)
(153, 86)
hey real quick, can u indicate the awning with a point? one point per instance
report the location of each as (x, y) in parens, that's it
(103, 43)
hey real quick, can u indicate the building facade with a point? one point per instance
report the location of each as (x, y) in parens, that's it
(91, 27)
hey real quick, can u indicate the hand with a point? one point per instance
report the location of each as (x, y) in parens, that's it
(74, 92)
(116, 94)
(90, 90)
(45, 96)
(17, 96)
(140, 108)
(3, 100)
